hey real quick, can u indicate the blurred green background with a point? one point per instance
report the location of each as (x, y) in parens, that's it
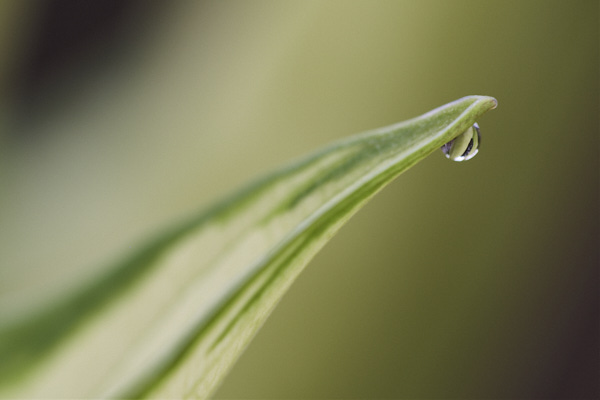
(472, 280)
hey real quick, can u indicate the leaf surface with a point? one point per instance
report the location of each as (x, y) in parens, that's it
(170, 321)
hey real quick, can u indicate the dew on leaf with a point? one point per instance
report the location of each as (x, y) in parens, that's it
(465, 146)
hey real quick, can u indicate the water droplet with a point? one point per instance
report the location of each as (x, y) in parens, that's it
(465, 146)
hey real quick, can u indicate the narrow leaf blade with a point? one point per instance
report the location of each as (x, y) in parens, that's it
(171, 321)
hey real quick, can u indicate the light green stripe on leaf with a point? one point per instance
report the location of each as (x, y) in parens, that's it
(172, 320)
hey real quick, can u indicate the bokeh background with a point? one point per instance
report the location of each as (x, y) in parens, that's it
(472, 280)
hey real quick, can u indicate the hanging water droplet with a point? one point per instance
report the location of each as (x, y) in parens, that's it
(465, 146)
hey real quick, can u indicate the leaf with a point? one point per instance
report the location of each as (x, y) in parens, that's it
(171, 321)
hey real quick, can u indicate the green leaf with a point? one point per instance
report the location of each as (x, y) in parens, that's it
(171, 321)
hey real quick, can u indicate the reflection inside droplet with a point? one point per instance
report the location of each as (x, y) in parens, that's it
(465, 146)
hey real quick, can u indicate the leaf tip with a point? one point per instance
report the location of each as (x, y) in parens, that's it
(490, 101)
